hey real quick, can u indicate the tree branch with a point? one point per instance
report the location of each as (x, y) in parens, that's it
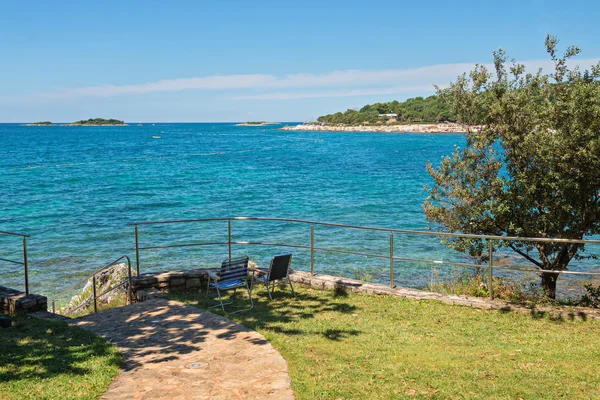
(528, 257)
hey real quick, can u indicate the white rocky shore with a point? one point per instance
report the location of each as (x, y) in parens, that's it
(411, 128)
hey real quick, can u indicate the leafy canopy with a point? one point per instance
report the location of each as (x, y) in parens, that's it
(418, 109)
(533, 170)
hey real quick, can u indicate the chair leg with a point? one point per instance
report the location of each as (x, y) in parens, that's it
(207, 289)
(293, 292)
(249, 289)
(268, 291)
(221, 300)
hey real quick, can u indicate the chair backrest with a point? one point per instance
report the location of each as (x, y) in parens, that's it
(234, 269)
(280, 266)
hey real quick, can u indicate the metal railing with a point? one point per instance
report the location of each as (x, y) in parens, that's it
(390, 256)
(93, 298)
(24, 263)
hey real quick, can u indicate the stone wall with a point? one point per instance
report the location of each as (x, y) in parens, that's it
(165, 281)
(181, 280)
(14, 301)
(328, 282)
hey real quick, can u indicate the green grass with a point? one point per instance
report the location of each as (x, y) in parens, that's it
(52, 360)
(350, 346)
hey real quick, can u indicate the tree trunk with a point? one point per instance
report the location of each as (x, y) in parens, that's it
(549, 284)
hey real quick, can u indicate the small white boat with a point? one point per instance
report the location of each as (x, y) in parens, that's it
(155, 137)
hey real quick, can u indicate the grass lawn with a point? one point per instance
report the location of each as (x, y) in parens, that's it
(52, 360)
(350, 346)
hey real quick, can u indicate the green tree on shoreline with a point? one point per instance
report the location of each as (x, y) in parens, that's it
(533, 170)
(430, 109)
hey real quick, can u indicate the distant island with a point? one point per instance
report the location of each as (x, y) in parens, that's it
(83, 122)
(97, 122)
(415, 115)
(40, 123)
(257, 123)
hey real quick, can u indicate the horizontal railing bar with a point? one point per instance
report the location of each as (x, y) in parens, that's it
(182, 245)
(222, 243)
(537, 271)
(406, 231)
(442, 262)
(95, 273)
(12, 261)
(351, 252)
(14, 234)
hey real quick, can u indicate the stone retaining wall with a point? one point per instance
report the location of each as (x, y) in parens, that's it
(171, 280)
(328, 282)
(181, 280)
(14, 301)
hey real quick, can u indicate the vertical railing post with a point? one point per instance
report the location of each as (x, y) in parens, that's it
(95, 303)
(137, 251)
(53, 306)
(229, 237)
(491, 277)
(312, 249)
(392, 260)
(130, 291)
(26, 266)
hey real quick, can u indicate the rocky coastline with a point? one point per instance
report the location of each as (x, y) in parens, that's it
(408, 128)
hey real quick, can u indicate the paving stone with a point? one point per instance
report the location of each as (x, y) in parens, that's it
(175, 351)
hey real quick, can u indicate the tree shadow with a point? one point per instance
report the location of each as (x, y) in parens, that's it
(550, 315)
(158, 330)
(278, 315)
(36, 349)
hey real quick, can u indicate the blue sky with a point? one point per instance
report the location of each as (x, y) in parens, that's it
(259, 60)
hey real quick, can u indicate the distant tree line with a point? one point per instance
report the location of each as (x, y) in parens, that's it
(418, 109)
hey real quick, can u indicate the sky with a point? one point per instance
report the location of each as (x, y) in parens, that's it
(210, 61)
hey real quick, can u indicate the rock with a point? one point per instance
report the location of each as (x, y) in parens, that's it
(104, 281)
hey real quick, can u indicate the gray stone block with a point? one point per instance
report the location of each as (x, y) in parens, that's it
(193, 283)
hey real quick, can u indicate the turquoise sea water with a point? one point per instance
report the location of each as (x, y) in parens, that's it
(75, 189)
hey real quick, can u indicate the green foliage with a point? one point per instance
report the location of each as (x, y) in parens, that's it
(477, 285)
(99, 121)
(42, 123)
(533, 170)
(351, 346)
(255, 122)
(52, 360)
(592, 297)
(418, 109)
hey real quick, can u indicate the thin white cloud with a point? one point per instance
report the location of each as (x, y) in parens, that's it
(350, 82)
(333, 93)
(356, 78)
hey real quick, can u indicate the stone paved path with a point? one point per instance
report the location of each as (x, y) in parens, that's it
(174, 351)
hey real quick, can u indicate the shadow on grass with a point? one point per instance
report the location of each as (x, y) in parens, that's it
(278, 315)
(37, 349)
(557, 316)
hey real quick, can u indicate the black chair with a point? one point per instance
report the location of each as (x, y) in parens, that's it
(232, 275)
(278, 271)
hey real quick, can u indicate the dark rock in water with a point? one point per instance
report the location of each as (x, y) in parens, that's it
(4, 321)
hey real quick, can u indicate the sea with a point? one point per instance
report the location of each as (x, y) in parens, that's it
(77, 191)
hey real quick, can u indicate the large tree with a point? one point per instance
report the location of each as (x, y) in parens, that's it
(533, 167)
